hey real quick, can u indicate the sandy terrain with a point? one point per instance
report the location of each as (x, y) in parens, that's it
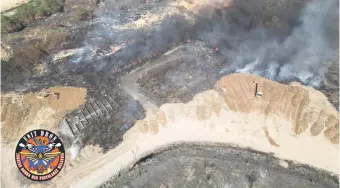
(290, 126)
(5, 5)
(22, 113)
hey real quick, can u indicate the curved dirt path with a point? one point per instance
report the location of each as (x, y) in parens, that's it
(129, 81)
(291, 126)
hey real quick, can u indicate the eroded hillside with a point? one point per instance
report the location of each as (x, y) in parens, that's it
(293, 122)
(304, 108)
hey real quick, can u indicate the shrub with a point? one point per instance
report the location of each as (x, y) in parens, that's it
(9, 25)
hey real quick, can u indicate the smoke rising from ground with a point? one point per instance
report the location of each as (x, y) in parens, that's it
(292, 42)
(302, 55)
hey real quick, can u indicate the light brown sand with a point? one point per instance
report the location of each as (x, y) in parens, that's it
(274, 123)
(5, 5)
(280, 122)
(21, 113)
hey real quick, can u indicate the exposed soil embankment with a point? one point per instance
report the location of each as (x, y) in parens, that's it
(291, 121)
(303, 106)
(21, 113)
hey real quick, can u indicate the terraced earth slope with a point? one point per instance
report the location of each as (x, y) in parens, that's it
(292, 122)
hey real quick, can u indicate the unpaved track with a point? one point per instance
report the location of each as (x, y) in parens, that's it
(129, 81)
(210, 118)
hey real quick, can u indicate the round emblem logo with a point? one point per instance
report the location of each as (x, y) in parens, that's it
(40, 155)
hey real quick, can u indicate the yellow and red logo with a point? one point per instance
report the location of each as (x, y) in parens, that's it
(40, 155)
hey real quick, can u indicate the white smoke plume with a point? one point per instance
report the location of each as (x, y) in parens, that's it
(298, 49)
(303, 55)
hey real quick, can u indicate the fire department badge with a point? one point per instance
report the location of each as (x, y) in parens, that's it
(40, 155)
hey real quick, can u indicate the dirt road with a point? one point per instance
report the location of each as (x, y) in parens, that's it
(130, 86)
(210, 118)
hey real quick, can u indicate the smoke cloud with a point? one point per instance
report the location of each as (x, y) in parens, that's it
(301, 55)
(294, 42)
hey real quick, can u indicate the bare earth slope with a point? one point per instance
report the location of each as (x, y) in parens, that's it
(21, 113)
(304, 107)
(291, 121)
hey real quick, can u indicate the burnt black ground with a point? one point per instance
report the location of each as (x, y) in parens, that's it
(193, 70)
(147, 42)
(191, 67)
(192, 165)
(171, 84)
(103, 120)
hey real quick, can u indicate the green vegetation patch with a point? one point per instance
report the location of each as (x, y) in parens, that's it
(16, 19)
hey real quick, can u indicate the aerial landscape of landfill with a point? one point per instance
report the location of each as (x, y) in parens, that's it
(170, 93)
